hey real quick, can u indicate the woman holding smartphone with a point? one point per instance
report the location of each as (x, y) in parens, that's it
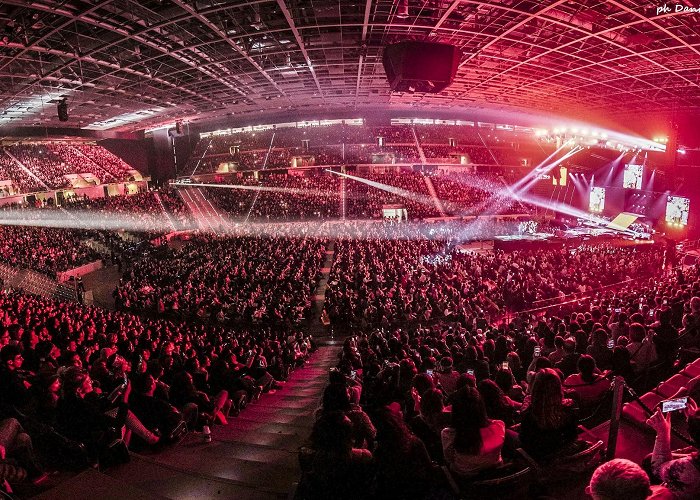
(680, 472)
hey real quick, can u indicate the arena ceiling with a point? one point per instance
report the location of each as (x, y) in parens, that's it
(127, 65)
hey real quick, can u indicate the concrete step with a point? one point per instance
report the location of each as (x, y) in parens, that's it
(90, 484)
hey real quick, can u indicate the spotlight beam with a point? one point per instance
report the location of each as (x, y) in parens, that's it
(135, 222)
(538, 169)
(420, 198)
(547, 168)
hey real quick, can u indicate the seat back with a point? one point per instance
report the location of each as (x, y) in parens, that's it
(582, 461)
(564, 465)
(507, 481)
(514, 485)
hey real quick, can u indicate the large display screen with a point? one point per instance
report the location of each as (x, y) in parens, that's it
(633, 176)
(561, 180)
(596, 201)
(677, 210)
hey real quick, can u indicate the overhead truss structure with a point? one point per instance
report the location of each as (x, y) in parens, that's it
(130, 64)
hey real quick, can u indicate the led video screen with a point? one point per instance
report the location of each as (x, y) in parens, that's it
(596, 201)
(677, 210)
(633, 177)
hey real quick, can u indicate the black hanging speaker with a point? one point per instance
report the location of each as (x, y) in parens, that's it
(62, 108)
(417, 66)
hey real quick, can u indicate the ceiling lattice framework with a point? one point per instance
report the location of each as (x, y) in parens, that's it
(181, 59)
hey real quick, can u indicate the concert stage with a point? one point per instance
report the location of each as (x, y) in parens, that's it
(566, 239)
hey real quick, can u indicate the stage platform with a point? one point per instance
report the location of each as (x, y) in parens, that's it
(565, 239)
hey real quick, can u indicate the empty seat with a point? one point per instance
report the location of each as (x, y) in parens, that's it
(671, 386)
(692, 370)
(634, 412)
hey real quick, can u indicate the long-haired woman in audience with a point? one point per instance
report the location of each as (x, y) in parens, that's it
(473, 442)
(404, 467)
(549, 422)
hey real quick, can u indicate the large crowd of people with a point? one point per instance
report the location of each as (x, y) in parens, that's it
(75, 376)
(46, 250)
(43, 163)
(52, 162)
(281, 197)
(106, 160)
(79, 163)
(51, 251)
(227, 280)
(447, 365)
(380, 281)
(289, 197)
(154, 211)
(464, 193)
(465, 395)
(21, 181)
(366, 201)
(362, 144)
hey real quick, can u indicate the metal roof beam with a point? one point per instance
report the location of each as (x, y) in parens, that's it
(215, 29)
(363, 40)
(126, 35)
(300, 43)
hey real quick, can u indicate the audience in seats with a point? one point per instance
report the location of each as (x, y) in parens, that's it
(296, 198)
(366, 201)
(46, 250)
(443, 364)
(156, 211)
(50, 162)
(383, 282)
(42, 162)
(80, 163)
(68, 368)
(105, 160)
(22, 182)
(344, 144)
(225, 280)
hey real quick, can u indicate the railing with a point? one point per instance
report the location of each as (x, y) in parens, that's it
(558, 302)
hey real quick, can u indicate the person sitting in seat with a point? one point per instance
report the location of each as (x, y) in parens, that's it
(549, 422)
(84, 416)
(641, 348)
(473, 442)
(404, 467)
(156, 413)
(568, 363)
(588, 384)
(620, 478)
(15, 443)
(599, 350)
(430, 422)
(446, 376)
(339, 471)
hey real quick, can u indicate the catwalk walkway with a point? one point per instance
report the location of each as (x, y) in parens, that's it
(254, 457)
